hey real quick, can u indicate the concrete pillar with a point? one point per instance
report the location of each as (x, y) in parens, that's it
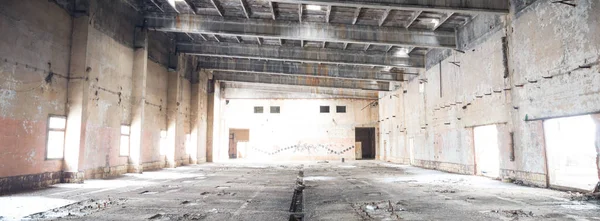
(140, 73)
(218, 154)
(210, 121)
(77, 100)
(199, 118)
(174, 119)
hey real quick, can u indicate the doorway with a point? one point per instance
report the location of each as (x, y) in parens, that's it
(237, 140)
(571, 152)
(411, 150)
(487, 154)
(366, 137)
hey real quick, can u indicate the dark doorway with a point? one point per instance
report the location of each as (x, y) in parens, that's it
(238, 140)
(232, 146)
(366, 137)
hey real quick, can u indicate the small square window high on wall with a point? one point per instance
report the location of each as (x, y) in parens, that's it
(324, 109)
(55, 145)
(258, 110)
(275, 109)
(124, 148)
(340, 109)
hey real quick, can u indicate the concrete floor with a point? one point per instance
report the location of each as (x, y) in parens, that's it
(359, 190)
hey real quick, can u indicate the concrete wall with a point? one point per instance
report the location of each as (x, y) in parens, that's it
(298, 132)
(156, 116)
(100, 71)
(552, 66)
(31, 47)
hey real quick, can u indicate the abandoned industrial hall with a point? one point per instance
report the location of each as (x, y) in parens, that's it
(300, 110)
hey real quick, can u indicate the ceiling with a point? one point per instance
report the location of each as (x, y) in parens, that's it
(353, 44)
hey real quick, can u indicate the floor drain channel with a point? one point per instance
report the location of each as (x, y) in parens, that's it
(297, 199)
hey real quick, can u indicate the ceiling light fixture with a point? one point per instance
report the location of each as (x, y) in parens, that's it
(313, 7)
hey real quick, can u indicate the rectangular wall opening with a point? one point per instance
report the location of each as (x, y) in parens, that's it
(366, 137)
(411, 150)
(571, 152)
(487, 154)
(238, 138)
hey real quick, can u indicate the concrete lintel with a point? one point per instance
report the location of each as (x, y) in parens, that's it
(309, 31)
(309, 55)
(301, 80)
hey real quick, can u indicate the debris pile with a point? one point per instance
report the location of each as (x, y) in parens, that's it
(78, 209)
(382, 210)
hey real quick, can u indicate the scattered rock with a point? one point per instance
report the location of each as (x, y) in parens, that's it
(78, 209)
(383, 210)
(226, 194)
(577, 196)
(513, 213)
(323, 161)
(185, 202)
(157, 216)
(446, 191)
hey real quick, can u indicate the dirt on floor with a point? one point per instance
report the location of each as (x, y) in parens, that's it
(354, 190)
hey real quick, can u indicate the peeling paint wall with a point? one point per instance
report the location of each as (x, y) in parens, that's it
(31, 47)
(552, 52)
(156, 116)
(298, 132)
(46, 44)
(109, 102)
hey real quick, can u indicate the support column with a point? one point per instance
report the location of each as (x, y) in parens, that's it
(140, 74)
(199, 118)
(211, 121)
(174, 121)
(77, 101)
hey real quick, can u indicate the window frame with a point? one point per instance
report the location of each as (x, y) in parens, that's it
(49, 129)
(262, 109)
(188, 144)
(271, 109)
(128, 135)
(162, 145)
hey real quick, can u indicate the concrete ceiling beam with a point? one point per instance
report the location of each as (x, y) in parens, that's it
(497, 7)
(308, 31)
(301, 81)
(296, 54)
(308, 90)
(302, 69)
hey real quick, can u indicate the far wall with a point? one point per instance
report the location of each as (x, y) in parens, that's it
(298, 132)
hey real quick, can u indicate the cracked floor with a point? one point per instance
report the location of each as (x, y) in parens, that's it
(358, 190)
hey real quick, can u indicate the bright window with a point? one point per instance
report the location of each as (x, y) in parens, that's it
(124, 148)
(188, 144)
(163, 142)
(55, 146)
